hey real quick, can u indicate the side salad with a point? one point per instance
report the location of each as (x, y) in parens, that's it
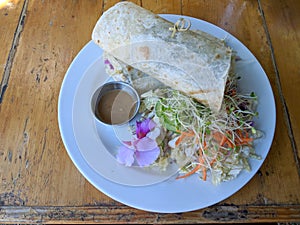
(176, 128)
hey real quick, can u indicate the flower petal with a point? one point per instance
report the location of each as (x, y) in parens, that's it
(145, 144)
(146, 158)
(125, 155)
(128, 143)
(154, 134)
(143, 127)
(107, 62)
(151, 124)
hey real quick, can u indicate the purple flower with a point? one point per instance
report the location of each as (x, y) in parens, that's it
(125, 155)
(107, 62)
(146, 158)
(144, 127)
(144, 149)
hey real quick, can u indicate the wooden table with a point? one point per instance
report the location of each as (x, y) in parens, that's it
(38, 181)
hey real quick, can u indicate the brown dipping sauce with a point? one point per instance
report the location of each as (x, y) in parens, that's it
(115, 107)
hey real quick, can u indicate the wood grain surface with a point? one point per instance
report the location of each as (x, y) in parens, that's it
(283, 24)
(39, 182)
(11, 15)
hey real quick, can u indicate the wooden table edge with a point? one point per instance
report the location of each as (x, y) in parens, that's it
(123, 214)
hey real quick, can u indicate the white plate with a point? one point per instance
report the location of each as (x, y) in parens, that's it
(169, 196)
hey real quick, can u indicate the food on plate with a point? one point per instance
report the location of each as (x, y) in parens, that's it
(191, 112)
(194, 63)
(219, 144)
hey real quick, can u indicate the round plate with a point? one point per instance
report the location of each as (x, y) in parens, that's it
(169, 196)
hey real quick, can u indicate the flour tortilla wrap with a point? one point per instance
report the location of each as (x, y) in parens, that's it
(120, 71)
(194, 63)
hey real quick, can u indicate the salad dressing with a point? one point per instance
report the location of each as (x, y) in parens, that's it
(115, 107)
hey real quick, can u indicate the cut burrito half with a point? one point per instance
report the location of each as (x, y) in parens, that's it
(194, 63)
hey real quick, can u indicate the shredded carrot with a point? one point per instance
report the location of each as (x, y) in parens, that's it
(218, 136)
(222, 139)
(179, 140)
(184, 135)
(204, 174)
(244, 138)
(244, 141)
(189, 173)
(201, 162)
(212, 161)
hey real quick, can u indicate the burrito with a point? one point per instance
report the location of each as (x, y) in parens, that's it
(194, 63)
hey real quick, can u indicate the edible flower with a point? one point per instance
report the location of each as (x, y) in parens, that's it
(107, 62)
(142, 148)
(144, 127)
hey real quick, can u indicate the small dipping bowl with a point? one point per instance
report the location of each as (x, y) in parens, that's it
(115, 103)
